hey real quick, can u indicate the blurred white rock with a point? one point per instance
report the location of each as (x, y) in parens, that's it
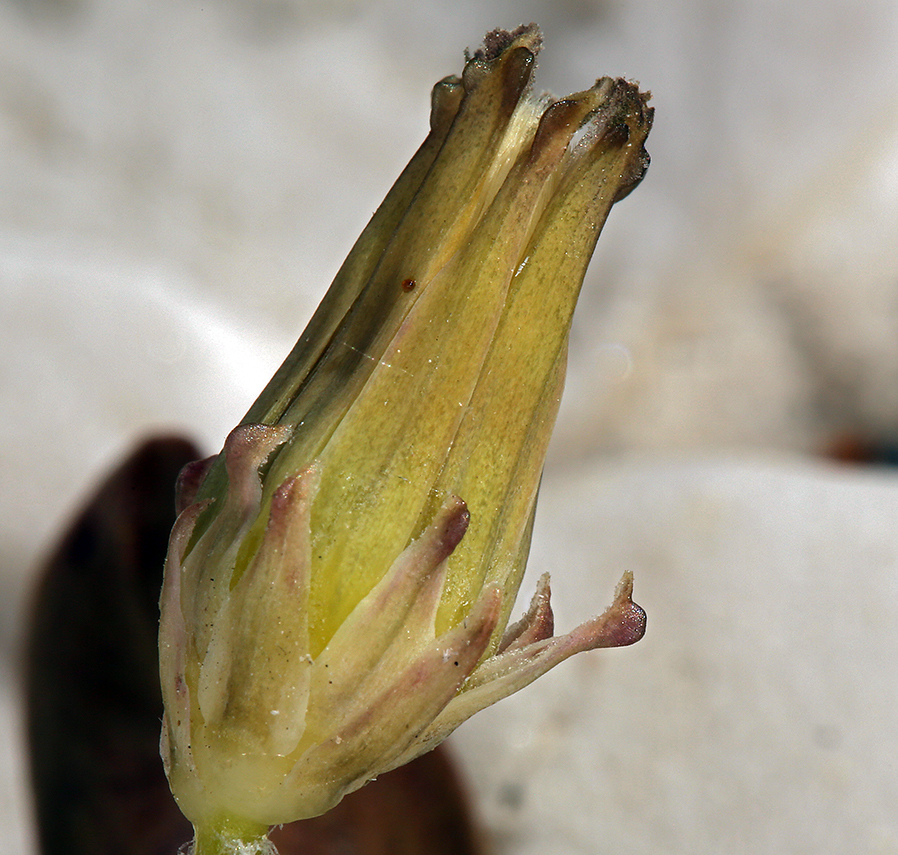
(757, 713)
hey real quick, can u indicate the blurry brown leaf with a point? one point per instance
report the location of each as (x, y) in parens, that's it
(94, 706)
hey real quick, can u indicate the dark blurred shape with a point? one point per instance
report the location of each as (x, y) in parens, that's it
(863, 451)
(418, 809)
(94, 705)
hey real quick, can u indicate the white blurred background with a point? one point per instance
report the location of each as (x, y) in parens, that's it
(180, 180)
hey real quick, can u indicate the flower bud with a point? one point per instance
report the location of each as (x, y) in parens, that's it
(341, 577)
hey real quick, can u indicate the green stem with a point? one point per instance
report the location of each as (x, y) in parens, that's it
(228, 837)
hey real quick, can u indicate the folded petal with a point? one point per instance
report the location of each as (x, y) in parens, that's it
(621, 624)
